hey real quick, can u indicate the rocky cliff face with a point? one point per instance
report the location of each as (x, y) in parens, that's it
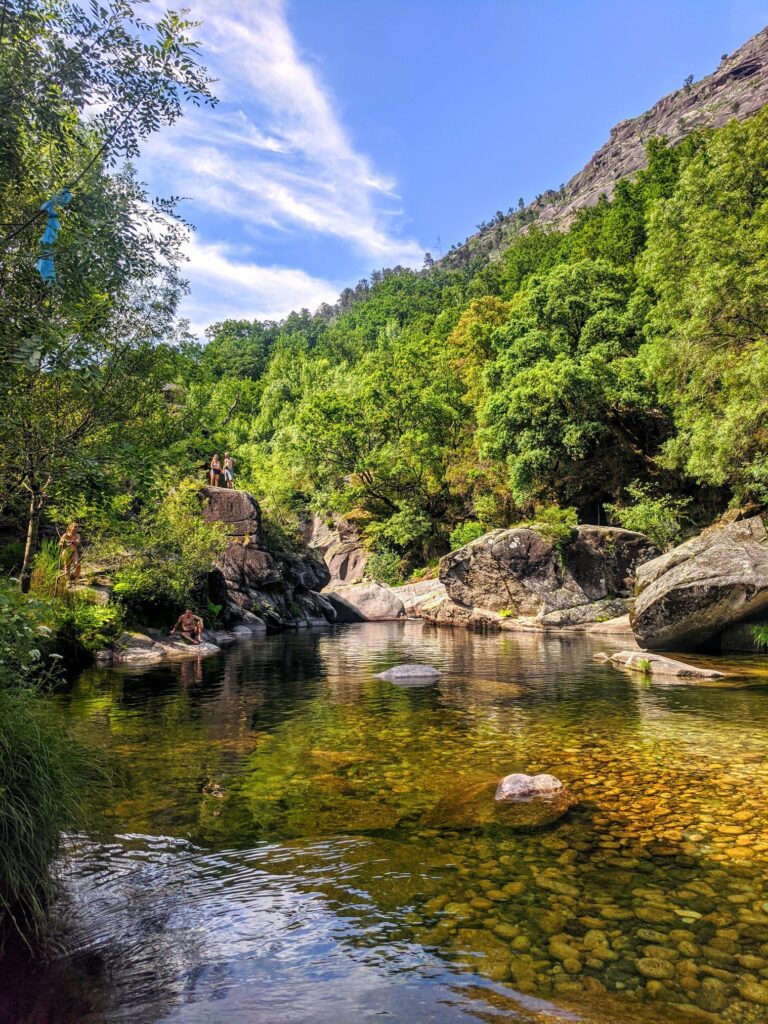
(738, 88)
(341, 546)
(279, 587)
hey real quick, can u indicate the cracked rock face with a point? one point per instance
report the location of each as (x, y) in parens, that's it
(519, 573)
(279, 587)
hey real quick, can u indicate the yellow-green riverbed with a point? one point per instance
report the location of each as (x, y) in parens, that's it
(267, 856)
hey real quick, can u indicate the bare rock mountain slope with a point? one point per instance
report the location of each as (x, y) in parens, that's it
(738, 88)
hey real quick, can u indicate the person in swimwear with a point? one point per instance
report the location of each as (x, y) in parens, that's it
(190, 626)
(229, 470)
(69, 546)
(215, 471)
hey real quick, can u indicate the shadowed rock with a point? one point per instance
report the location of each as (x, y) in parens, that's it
(692, 593)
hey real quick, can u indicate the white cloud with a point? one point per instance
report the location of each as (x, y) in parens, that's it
(273, 156)
(224, 286)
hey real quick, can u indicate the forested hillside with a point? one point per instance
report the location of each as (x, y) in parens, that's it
(619, 368)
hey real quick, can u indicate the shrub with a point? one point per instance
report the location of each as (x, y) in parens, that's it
(464, 533)
(46, 570)
(11, 557)
(82, 626)
(385, 566)
(26, 645)
(760, 636)
(659, 518)
(556, 524)
(167, 570)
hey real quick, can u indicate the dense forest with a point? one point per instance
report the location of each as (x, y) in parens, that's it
(614, 372)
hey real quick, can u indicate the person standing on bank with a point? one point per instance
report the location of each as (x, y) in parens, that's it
(229, 470)
(69, 546)
(215, 471)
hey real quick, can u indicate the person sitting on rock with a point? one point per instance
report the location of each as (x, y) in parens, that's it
(215, 471)
(229, 470)
(190, 626)
(70, 552)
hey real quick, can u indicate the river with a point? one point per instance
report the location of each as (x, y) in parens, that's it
(266, 854)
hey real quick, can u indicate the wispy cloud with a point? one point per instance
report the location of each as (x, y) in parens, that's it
(226, 284)
(274, 157)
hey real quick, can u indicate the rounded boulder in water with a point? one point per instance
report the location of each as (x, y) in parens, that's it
(411, 675)
(519, 786)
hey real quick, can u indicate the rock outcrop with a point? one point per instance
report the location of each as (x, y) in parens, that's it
(278, 587)
(656, 665)
(737, 89)
(691, 594)
(415, 595)
(341, 547)
(365, 602)
(518, 577)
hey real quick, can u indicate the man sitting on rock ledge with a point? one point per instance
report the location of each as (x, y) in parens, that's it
(190, 626)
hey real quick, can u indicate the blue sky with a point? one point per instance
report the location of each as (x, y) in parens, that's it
(353, 134)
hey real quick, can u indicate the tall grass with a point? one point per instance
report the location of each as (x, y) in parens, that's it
(45, 774)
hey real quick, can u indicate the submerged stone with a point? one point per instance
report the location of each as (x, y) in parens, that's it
(411, 675)
(475, 805)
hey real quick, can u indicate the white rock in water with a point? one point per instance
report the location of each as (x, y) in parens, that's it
(527, 787)
(414, 674)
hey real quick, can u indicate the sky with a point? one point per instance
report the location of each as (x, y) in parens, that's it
(352, 135)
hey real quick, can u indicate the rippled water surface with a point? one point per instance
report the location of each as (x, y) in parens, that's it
(269, 854)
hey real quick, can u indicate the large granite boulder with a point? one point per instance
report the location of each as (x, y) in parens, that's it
(415, 595)
(519, 574)
(691, 594)
(365, 602)
(341, 547)
(279, 587)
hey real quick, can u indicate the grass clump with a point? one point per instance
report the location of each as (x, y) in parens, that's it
(44, 772)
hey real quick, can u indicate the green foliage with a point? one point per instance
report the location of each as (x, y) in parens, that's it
(556, 524)
(174, 549)
(27, 655)
(47, 579)
(385, 566)
(83, 627)
(464, 533)
(11, 558)
(760, 636)
(44, 776)
(643, 665)
(660, 517)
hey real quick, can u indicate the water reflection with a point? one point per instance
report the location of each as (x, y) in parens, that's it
(302, 883)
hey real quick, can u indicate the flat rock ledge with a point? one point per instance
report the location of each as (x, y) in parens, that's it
(154, 647)
(411, 675)
(657, 665)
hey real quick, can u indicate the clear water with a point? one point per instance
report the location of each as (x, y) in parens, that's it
(268, 855)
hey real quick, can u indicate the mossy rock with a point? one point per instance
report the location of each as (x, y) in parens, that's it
(473, 805)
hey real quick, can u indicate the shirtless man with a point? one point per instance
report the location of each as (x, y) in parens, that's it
(190, 626)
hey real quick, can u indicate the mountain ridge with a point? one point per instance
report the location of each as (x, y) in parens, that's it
(737, 88)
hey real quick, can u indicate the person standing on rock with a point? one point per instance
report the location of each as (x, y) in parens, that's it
(229, 470)
(215, 471)
(190, 626)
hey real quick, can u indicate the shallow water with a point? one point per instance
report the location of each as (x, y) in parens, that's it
(268, 856)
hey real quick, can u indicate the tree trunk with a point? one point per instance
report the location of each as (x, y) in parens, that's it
(36, 502)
